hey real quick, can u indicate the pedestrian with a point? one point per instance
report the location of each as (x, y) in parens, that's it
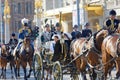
(112, 23)
(87, 32)
(75, 33)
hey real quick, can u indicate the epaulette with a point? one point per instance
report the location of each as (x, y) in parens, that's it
(20, 30)
(29, 30)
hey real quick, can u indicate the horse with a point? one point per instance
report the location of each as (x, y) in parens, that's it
(7, 57)
(87, 49)
(111, 53)
(23, 56)
(3, 59)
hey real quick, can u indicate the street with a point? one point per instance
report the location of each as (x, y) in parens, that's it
(65, 77)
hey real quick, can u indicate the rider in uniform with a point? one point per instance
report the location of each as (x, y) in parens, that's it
(86, 32)
(75, 33)
(58, 29)
(24, 31)
(112, 23)
(13, 40)
(47, 34)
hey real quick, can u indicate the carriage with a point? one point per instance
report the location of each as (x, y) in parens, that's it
(43, 61)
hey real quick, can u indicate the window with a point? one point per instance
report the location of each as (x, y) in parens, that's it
(19, 8)
(58, 3)
(28, 7)
(14, 8)
(49, 4)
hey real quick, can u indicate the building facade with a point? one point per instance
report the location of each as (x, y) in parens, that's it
(19, 9)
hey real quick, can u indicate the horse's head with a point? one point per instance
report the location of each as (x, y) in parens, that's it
(26, 40)
(5, 49)
(100, 37)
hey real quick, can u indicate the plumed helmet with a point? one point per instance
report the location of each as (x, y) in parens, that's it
(112, 12)
(13, 34)
(24, 22)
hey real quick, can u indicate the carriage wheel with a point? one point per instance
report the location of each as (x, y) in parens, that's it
(75, 77)
(38, 67)
(57, 71)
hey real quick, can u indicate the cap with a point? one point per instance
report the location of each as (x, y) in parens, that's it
(75, 26)
(58, 24)
(13, 34)
(24, 21)
(112, 12)
(87, 24)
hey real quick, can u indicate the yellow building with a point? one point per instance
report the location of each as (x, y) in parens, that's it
(92, 11)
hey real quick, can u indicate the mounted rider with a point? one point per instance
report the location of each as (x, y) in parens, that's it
(23, 32)
(13, 41)
(112, 23)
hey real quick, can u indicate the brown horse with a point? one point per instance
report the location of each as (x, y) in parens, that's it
(3, 60)
(111, 50)
(25, 55)
(92, 47)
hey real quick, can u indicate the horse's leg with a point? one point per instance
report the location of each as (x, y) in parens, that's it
(30, 64)
(11, 69)
(105, 58)
(25, 73)
(2, 72)
(118, 68)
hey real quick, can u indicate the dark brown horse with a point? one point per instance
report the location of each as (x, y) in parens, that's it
(25, 55)
(80, 47)
(111, 51)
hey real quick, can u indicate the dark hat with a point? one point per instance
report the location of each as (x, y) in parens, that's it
(87, 24)
(112, 12)
(13, 34)
(75, 26)
(47, 25)
(58, 24)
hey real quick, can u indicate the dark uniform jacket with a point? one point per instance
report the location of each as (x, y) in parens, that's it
(86, 32)
(75, 34)
(112, 25)
(13, 41)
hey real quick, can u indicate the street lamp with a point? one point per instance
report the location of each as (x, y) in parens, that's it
(37, 19)
(7, 20)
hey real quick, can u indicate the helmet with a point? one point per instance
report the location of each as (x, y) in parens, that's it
(112, 12)
(24, 21)
(13, 34)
